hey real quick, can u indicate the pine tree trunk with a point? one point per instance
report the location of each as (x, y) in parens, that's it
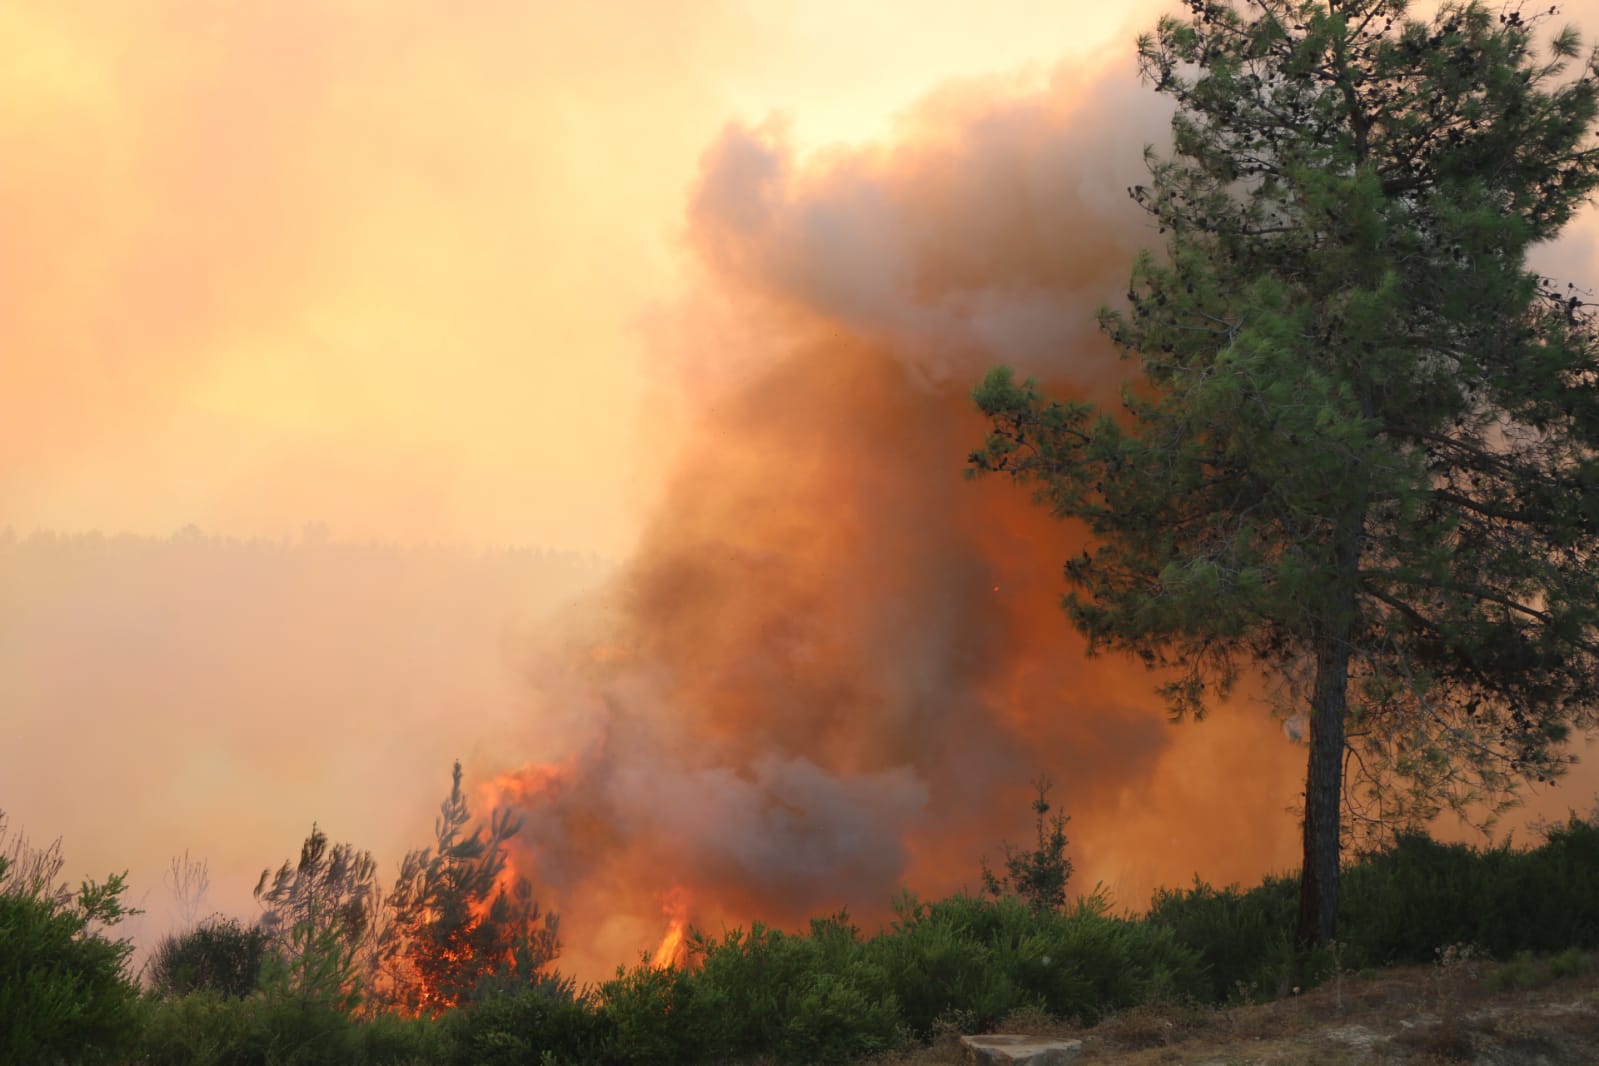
(1324, 772)
(1318, 884)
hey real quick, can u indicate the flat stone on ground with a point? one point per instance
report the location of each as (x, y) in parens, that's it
(1015, 1049)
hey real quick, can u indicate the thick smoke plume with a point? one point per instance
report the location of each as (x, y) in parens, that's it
(834, 666)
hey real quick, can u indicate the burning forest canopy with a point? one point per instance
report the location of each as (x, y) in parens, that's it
(831, 668)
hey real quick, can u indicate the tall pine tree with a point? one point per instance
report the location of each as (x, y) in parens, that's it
(1361, 454)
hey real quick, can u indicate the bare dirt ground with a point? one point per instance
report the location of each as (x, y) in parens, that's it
(1460, 1012)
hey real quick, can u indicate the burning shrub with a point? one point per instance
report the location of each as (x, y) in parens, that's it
(458, 918)
(457, 921)
(219, 955)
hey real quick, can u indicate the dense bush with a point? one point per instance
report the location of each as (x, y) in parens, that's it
(1417, 895)
(1244, 940)
(65, 994)
(502, 1025)
(1404, 902)
(802, 998)
(1401, 904)
(648, 1015)
(1550, 899)
(219, 955)
(940, 960)
(210, 1029)
(981, 959)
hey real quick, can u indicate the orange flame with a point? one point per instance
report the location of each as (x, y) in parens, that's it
(504, 885)
(673, 948)
(523, 786)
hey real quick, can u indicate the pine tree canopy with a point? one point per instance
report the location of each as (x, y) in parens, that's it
(1360, 456)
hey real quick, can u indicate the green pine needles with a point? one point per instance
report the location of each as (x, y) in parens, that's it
(1361, 454)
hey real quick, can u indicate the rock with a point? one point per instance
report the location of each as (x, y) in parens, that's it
(1014, 1049)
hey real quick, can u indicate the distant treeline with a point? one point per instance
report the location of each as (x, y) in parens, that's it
(314, 537)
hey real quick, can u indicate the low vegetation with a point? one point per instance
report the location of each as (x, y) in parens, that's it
(224, 993)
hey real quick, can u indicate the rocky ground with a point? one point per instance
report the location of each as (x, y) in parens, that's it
(1543, 1012)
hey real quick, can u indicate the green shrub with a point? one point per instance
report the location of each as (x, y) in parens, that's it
(65, 994)
(207, 1028)
(202, 1028)
(1519, 974)
(1569, 963)
(1401, 903)
(979, 960)
(805, 998)
(834, 1018)
(1545, 899)
(1526, 972)
(649, 1015)
(508, 1026)
(1101, 963)
(391, 1040)
(1038, 875)
(221, 955)
(940, 961)
(1244, 940)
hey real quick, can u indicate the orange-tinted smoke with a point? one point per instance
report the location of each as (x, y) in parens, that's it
(835, 666)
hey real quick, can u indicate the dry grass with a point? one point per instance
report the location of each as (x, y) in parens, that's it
(1453, 1012)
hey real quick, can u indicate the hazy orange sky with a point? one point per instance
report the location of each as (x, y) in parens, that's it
(385, 265)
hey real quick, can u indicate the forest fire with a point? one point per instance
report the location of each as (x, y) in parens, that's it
(834, 666)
